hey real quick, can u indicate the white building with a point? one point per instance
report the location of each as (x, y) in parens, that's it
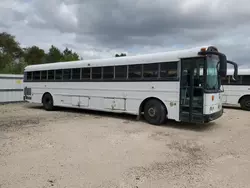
(11, 88)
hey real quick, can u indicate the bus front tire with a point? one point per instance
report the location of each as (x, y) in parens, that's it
(155, 112)
(245, 103)
(47, 101)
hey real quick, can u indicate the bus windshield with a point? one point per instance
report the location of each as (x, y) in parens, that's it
(212, 81)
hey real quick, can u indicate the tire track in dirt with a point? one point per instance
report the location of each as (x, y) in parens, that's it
(15, 117)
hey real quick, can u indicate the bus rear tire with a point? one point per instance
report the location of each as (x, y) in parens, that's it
(245, 103)
(155, 112)
(48, 103)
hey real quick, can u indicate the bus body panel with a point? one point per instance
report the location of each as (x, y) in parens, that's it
(212, 103)
(235, 90)
(122, 97)
(233, 93)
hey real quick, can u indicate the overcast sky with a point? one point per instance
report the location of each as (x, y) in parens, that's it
(101, 28)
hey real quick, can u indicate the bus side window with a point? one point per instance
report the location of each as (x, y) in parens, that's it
(135, 71)
(224, 80)
(66, 74)
(44, 75)
(121, 72)
(150, 70)
(168, 70)
(96, 73)
(29, 75)
(36, 75)
(59, 74)
(233, 82)
(246, 80)
(76, 73)
(51, 75)
(85, 73)
(108, 72)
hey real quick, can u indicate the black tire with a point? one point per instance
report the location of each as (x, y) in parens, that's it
(155, 112)
(48, 102)
(245, 103)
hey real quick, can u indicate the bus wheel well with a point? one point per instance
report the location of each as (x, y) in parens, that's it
(46, 93)
(47, 101)
(141, 109)
(244, 96)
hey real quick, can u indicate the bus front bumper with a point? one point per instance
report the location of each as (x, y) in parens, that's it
(214, 116)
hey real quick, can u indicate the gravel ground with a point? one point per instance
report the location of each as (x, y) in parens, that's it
(75, 148)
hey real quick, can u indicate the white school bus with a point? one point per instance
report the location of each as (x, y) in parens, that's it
(180, 85)
(237, 92)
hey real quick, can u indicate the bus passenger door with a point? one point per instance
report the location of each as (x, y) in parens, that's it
(191, 89)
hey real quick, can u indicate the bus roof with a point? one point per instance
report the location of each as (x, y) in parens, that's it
(241, 71)
(138, 59)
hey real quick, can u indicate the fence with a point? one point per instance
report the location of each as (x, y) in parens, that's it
(11, 88)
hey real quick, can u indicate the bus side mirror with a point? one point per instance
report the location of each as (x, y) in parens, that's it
(235, 75)
(223, 66)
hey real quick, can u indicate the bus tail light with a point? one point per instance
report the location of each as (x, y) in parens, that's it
(212, 97)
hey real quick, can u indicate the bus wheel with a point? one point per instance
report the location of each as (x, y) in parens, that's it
(245, 103)
(155, 112)
(48, 102)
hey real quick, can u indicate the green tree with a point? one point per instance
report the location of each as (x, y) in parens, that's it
(34, 55)
(68, 55)
(122, 54)
(10, 51)
(18, 67)
(54, 55)
(13, 58)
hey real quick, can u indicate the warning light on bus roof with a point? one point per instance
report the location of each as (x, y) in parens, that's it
(203, 49)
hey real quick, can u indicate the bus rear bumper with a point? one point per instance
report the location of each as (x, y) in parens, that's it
(214, 116)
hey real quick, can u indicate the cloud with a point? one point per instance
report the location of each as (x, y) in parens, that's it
(99, 28)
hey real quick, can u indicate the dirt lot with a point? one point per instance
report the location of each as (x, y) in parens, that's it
(72, 148)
